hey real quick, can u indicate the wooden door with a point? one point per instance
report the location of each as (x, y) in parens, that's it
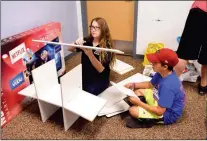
(118, 14)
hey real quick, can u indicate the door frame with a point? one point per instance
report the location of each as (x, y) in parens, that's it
(84, 18)
(85, 26)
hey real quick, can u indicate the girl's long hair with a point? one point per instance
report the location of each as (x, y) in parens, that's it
(105, 41)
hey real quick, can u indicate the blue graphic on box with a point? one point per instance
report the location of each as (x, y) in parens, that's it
(57, 48)
(29, 57)
(42, 56)
(178, 39)
(16, 81)
(58, 61)
(49, 52)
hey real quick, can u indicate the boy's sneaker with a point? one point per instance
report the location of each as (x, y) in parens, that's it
(202, 90)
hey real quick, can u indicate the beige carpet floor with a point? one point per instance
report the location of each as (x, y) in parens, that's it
(28, 125)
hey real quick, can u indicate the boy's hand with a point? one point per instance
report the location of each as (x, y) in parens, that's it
(134, 100)
(129, 86)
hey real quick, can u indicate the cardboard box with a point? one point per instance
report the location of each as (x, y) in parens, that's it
(19, 56)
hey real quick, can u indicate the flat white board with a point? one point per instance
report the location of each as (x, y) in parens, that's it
(46, 109)
(52, 96)
(71, 81)
(46, 83)
(121, 67)
(119, 106)
(81, 46)
(86, 105)
(124, 90)
(116, 113)
(69, 118)
(138, 77)
(45, 77)
(112, 95)
(29, 91)
(125, 106)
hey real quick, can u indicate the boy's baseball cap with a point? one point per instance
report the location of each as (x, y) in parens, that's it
(165, 56)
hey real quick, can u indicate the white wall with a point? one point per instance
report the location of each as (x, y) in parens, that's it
(18, 16)
(172, 14)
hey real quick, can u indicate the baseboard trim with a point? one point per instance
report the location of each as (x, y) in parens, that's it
(139, 56)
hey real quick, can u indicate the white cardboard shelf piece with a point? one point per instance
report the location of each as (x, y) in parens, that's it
(124, 90)
(125, 108)
(80, 46)
(114, 96)
(69, 95)
(121, 67)
(118, 107)
(47, 86)
(138, 77)
(77, 102)
(70, 82)
(52, 96)
(29, 91)
(86, 105)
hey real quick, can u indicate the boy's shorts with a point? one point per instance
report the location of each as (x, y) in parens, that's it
(193, 42)
(144, 114)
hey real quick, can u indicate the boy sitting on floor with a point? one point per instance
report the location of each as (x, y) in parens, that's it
(165, 102)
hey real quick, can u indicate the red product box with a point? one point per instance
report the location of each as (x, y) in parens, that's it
(19, 56)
